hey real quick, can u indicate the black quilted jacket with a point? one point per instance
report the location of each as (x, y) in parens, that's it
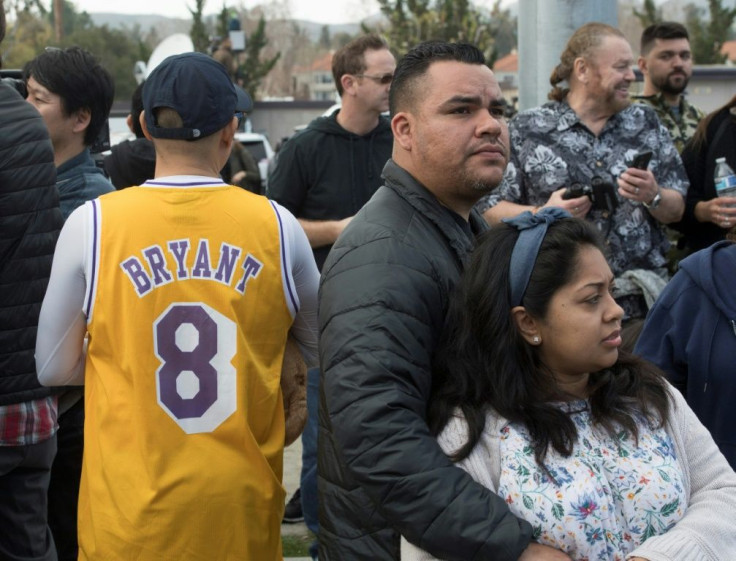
(30, 221)
(383, 299)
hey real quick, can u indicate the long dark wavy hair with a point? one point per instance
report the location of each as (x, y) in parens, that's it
(483, 361)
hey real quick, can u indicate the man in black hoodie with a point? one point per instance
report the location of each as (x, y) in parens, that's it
(132, 162)
(326, 173)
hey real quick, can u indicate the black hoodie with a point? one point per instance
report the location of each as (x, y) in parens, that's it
(328, 173)
(131, 163)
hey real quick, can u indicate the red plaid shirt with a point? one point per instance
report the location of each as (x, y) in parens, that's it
(29, 422)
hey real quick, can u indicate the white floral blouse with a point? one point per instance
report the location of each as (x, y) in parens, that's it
(606, 499)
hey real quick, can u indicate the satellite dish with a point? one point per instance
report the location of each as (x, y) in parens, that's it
(173, 45)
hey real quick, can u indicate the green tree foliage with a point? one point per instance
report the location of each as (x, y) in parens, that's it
(28, 6)
(340, 39)
(707, 35)
(253, 69)
(117, 49)
(71, 19)
(223, 22)
(504, 30)
(324, 37)
(25, 38)
(649, 14)
(198, 31)
(413, 21)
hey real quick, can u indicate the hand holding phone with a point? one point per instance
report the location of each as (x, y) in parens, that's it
(641, 160)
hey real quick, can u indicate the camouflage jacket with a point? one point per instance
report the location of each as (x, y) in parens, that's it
(682, 126)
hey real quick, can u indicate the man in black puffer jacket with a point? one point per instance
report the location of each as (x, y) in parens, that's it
(384, 295)
(30, 221)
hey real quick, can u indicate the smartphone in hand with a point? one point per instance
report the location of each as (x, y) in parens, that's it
(641, 160)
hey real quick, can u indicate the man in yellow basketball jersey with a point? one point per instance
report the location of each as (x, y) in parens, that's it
(187, 289)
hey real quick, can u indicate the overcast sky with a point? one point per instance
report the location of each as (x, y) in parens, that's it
(321, 11)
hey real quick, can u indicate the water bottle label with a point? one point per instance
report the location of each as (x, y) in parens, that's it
(726, 183)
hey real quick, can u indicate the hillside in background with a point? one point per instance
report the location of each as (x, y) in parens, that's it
(165, 26)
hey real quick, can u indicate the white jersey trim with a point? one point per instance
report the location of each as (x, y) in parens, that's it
(287, 281)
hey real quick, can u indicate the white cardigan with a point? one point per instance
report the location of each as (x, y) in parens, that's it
(707, 532)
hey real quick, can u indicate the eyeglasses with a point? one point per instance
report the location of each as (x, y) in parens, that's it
(384, 80)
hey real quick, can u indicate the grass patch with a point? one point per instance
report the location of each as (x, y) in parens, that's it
(297, 545)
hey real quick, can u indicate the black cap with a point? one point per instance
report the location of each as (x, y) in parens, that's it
(199, 89)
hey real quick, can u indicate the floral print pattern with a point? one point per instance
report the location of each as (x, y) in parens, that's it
(603, 501)
(551, 148)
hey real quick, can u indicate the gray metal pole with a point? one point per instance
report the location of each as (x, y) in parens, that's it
(544, 28)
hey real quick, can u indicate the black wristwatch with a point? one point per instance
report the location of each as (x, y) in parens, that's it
(655, 201)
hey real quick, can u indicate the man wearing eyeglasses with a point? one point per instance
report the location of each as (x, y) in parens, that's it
(324, 175)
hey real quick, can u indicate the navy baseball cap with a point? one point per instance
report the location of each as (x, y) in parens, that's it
(199, 89)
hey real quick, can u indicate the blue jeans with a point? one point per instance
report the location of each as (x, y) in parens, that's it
(308, 481)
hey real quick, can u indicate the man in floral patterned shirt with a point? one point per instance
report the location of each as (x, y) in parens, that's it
(588, 135)
(666, 62)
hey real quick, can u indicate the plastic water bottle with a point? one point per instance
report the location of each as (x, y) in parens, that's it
(724, 179)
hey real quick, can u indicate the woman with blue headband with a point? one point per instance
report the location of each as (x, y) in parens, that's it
(534, 398)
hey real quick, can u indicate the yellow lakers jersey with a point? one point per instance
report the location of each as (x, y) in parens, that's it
(187, 317)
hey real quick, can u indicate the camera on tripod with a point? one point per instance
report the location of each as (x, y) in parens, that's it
(601, 193)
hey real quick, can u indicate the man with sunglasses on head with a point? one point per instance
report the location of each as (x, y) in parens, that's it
(324, 175)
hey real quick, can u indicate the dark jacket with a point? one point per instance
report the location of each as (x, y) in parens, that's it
(80, 180)
(700, 165)
(690, 333)
(328, 173)
(383, 299)
(131, 163)
(29, 226)
(242, 160)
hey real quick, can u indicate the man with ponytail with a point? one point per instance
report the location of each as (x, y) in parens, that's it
(586, 138)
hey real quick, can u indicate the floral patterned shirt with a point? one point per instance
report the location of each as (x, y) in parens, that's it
(551, 148)
(606, 499)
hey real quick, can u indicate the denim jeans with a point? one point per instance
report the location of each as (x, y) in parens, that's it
(308, 481)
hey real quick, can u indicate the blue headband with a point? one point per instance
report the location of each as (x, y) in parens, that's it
(532, 228)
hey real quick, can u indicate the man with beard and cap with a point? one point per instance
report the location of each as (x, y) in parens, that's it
(172, 303)
(666, 62)
(586, 139)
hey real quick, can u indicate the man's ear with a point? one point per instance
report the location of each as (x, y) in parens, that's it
(82, 118)
(580, 69)
(129, 122)
(227, 135)
(348, 82)
(144, 127)
(526, 325)
(402, 125)
(642, 62)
